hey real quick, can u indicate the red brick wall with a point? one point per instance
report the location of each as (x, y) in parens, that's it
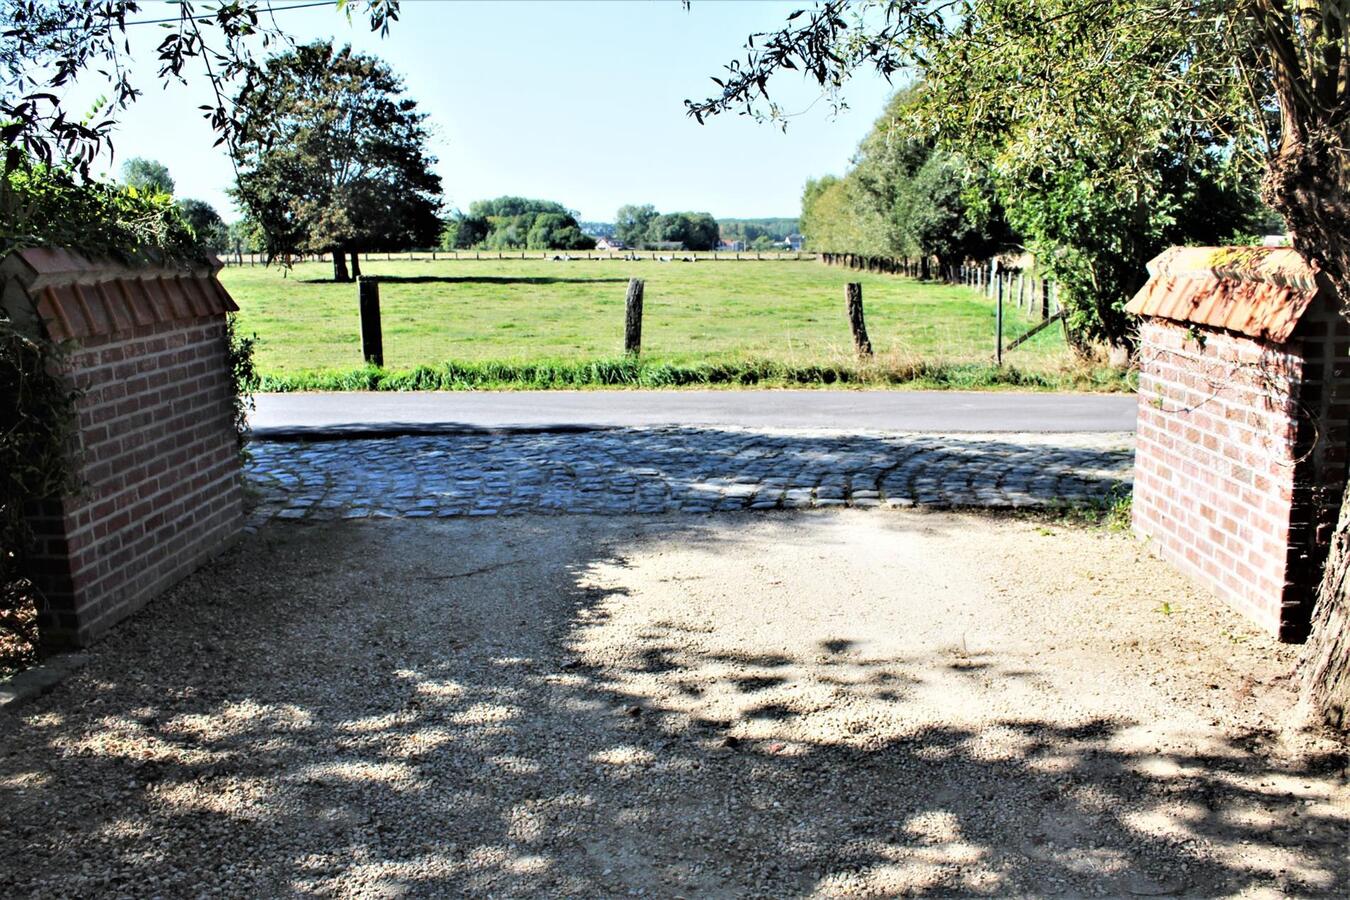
(159, 460)
(1233, 468)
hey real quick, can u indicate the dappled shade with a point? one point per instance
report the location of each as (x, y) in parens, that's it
(526, 709)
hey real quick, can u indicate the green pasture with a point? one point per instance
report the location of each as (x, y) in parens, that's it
(544, 321)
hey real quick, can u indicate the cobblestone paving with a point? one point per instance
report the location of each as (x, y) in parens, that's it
(678, 469)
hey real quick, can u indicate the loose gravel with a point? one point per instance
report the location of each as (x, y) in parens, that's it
(822, 703)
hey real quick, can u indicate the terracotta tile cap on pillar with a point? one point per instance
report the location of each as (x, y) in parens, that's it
(76, 297)
(1261, 292)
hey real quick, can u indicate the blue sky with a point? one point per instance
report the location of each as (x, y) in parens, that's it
(576, 102)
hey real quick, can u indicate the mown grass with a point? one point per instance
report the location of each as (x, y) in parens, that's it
(452, 325)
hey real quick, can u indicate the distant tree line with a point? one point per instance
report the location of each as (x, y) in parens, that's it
(941, 201)
(758, 234)
(642, 226)
(515, 223)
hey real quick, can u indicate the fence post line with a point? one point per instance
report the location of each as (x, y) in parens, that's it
(998, 338)
(632, 320)
(853, 304)
(372, 341)
(1045, 298)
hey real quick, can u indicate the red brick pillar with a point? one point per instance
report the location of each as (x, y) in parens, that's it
(157, 449)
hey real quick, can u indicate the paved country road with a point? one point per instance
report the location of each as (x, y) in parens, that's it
(391, 413)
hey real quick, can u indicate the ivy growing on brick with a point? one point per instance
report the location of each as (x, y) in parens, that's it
(243, 375)
(37, 407)
(46, 206)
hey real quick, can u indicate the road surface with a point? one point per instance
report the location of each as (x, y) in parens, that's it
(469, 412)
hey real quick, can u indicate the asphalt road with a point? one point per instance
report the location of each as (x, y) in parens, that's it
(374, 413)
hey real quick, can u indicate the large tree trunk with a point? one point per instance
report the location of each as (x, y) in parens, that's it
(1307, 183)
(356, 264)
(340, 266)
(1326, 657)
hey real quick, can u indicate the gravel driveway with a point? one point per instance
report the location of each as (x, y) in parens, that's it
(827, 703)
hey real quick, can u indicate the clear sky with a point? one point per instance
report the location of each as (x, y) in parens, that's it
(579, 102)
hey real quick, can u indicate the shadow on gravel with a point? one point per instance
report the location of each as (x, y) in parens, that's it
(366, 710)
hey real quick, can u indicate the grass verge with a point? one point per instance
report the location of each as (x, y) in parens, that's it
(621, 372)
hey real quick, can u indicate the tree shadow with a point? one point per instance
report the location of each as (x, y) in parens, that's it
(376, 709)
(658, 470)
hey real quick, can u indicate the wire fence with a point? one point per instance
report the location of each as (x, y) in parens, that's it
(259, 259)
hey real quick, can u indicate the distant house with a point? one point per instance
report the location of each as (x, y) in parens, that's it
(793, 242)
(731, 246)
(609, 243)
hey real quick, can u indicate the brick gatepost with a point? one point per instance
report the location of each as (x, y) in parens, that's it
(157, 452)
(1244, 420)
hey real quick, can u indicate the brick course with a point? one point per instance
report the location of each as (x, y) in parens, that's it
(157, 451)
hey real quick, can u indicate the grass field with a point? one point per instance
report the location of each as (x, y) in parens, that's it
(536, 322)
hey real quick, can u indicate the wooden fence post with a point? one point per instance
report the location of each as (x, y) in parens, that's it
(998, 337)
(372, 341)
(1045, 298)
(853, 303)
(632, 320)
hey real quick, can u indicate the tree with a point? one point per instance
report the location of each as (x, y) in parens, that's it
(631, 223)
(695, 231)
(925, 201)
(243, 236)
(206, 224)
(750, 230)
(332, 158)
(557, 231)
(1263, 78)
(515, 223)
(945, 211)
(835, 220)
(95, 218)
(510, 207)
(147, 175)
(46, 44)
(905, 197)
(462, 232)
(953, 186)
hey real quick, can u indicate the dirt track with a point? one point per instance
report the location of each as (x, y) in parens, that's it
(832, 704)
